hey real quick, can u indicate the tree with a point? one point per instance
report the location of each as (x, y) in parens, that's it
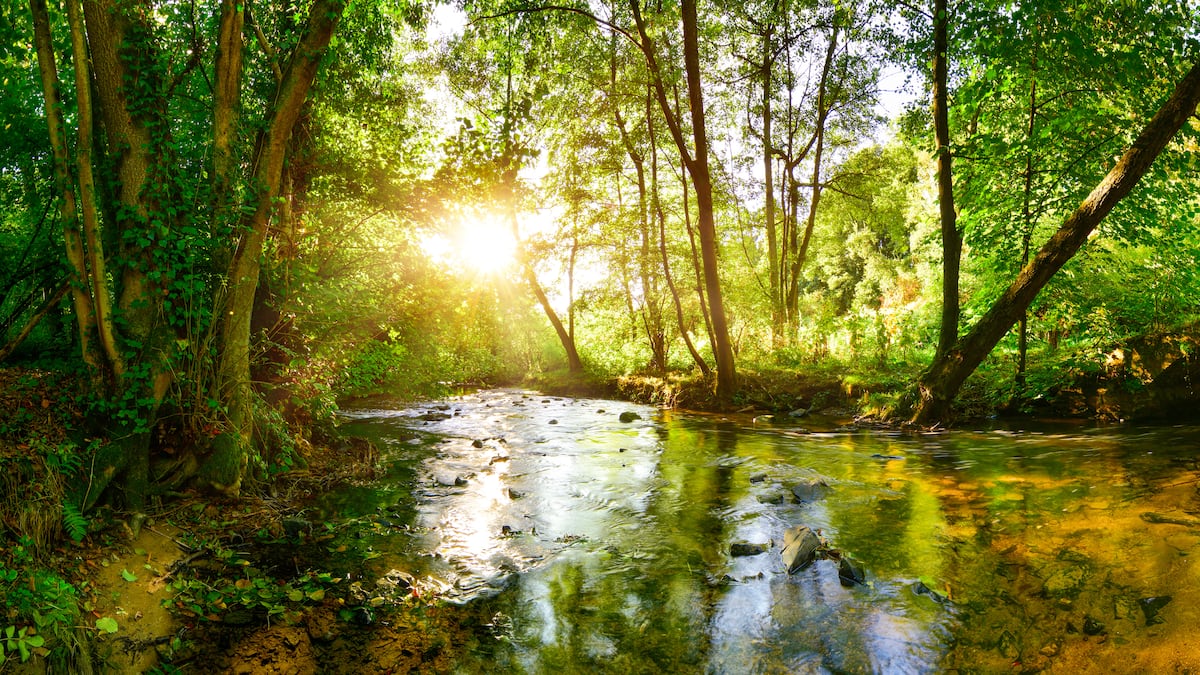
(941, 382)
(951, 237)
(695, 158)
(143, 322)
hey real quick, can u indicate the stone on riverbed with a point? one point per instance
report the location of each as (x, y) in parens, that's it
(800, 546)
(1150, 607)
(629, 416)
(810, 490)
(741, 548)
(850, 573)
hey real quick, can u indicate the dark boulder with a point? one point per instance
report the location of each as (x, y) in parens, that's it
(629, 416)
(1150, 607)
(850, 573)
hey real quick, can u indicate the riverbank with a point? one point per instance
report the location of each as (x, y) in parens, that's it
(202, 584)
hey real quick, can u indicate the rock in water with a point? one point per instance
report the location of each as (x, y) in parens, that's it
(629, 416)
(741, 548)
(800, 546)
(1150, 607)
(850, 573)
(810, 491)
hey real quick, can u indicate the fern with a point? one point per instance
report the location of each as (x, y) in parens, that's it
(74, 522)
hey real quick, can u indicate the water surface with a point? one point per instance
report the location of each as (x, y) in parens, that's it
(586, 544)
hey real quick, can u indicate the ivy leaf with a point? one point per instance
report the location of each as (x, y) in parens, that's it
(128, 576)
(106, 624)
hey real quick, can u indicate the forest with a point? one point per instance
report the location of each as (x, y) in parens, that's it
(222, 222)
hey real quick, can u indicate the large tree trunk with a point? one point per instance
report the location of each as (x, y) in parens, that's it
(941, 382)
(101, 293)
(698, 169)
(226, 466)
(951, 238)
(702, 180)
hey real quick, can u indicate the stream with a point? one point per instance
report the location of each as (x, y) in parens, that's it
(584, 543)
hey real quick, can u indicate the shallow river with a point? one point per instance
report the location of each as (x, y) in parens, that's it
(588, 544)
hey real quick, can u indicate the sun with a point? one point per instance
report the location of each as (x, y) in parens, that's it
(484, 245)
(473, 245)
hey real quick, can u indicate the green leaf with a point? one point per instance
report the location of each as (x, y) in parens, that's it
(128, 576)
(106, 624)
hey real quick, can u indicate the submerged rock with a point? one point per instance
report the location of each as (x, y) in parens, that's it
(800, 546)
(433, 416)
(850, 573)
(1150, 607)
(741, 548)
(920, 588)
(1170, 519)
(810, 491)
(629, 416)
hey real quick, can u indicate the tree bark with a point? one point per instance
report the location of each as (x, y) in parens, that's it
(702, 180)
(698, 169)
(101, 293)
(940, 383)
(227, 88)
(226, 467)
(661, 217)
(951, 238)
(769, 184)
(85, 318)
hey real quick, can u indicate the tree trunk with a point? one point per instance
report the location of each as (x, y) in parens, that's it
(702, 180)
(1028, 223)
(574, 364)
(769, 184)
(951, 237)
(85, 318)
(101, 293)
(698, 169)
(941, 382)
(227, 88)
(823, 109)
(226, 466)
(661, 217)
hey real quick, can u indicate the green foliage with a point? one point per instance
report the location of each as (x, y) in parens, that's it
(74, 522)
(240, 587)
(18, 641)
(35, 603)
